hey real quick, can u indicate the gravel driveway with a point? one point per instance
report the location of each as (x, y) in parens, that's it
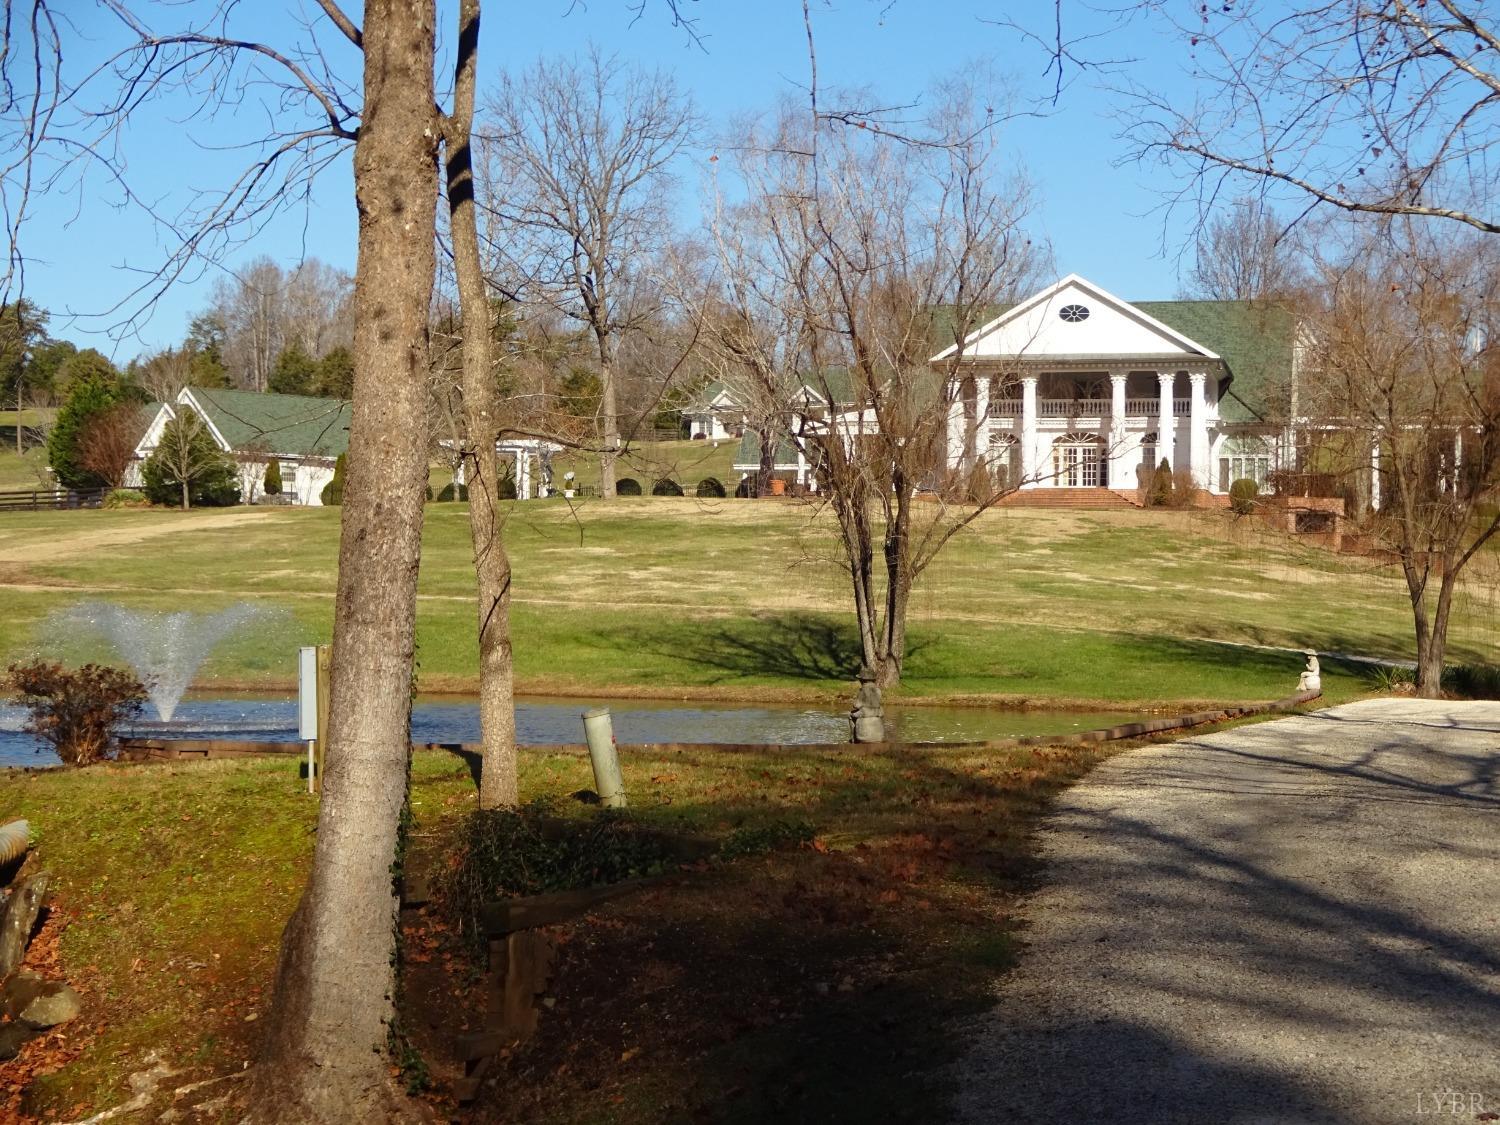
(1297, 921)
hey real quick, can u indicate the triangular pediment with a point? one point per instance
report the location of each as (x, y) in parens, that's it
(1076, 319)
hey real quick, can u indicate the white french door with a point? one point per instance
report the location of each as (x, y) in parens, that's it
(1076, 465)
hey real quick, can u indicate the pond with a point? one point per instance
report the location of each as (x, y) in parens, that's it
(540, 720)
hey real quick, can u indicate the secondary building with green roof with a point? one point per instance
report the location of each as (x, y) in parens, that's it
(1076, 388)
(305, 434)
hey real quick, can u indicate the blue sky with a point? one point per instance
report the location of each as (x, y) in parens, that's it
(1102, 220)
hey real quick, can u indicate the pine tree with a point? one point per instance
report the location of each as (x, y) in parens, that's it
(95, 390)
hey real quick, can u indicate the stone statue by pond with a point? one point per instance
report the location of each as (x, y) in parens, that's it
(1311, 678)
(867, 719)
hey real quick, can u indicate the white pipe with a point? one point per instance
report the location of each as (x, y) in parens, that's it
(608, 783)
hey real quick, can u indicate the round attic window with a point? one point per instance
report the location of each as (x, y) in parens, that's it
(1073, 313)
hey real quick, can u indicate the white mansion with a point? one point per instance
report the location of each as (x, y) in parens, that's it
(1075, 388)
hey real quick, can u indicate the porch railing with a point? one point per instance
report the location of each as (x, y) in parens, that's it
(1088, 408)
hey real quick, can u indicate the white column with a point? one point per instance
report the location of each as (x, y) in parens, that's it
(956, 425)
(1198, 430)
(523, 475)
(1375, 474)
(1166, 424)
(980, 448)
(1117, 468)
(1030, 458)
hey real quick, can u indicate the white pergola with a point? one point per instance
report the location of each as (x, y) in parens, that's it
(522, 453)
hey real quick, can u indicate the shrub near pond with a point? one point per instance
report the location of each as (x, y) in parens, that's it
(75, 711)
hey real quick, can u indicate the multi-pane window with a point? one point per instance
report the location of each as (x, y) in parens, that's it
(1245, 458)
(1075, 461)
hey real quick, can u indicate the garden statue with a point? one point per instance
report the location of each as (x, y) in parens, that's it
(1310, 680)
(867, 719)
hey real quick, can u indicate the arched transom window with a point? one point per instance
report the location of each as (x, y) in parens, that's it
(1076, 462)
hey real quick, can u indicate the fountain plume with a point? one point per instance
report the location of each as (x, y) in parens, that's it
(163, 648)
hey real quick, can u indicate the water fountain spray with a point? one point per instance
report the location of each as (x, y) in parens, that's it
(164, 649)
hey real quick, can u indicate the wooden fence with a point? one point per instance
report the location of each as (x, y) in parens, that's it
(47, 499)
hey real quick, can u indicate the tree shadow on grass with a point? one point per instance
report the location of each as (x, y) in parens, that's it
(1249, 663)
(838, 986)
(834, 986)
(783, 645)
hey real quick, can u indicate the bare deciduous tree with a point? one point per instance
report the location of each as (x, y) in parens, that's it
(74, 97)
(163, 374)
(581, 154)
(498, 784)
(323, 1059)
(107, 444)
(265, 309)
(1244, 255)
(1405, 367)
(861, 253)
(1380, 106)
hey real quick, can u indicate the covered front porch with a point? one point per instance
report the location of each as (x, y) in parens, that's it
(1085, 428)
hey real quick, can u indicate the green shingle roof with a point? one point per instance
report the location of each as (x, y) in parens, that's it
(293, 425)
(1253, 338)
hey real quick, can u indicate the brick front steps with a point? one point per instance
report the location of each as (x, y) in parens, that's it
(1076, 498)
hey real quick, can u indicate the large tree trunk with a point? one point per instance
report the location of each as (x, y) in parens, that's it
(183, 485)
(324, 1059)
(498, 784)
(896, 551)
(609, 420)
(1429, 654)
(1432, 654)
(767, 463)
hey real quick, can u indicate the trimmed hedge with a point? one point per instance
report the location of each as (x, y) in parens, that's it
(333, 491)
(271, 482)
(666, 487)
(1160, 493)
(1242, 496)
(710, 488)
(627, 486)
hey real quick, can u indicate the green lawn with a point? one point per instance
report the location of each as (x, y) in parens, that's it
(18, 470)
(743, 599)
(172, 882)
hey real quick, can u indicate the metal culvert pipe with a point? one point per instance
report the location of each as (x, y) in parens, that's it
(15, 838)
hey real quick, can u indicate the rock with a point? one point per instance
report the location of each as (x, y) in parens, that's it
(18, 918)
(19, 990)
(56, 1003)
(13, 1036)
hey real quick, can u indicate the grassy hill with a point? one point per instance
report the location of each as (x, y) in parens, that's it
(744, 599)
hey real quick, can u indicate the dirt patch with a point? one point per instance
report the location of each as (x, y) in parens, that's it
(794, 987)
(104, 538)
